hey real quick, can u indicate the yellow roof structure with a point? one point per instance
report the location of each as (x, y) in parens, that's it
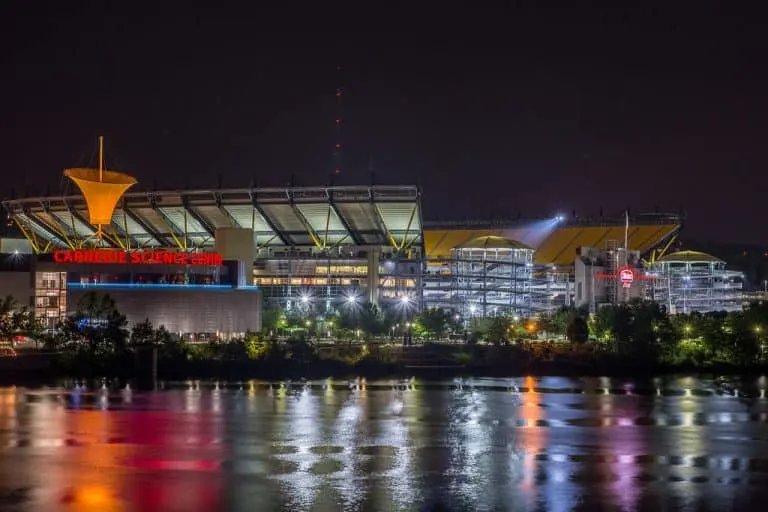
(689, 257)
(102, 190)
(493, 242)
(553, 247)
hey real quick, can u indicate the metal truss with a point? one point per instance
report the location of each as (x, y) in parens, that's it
(319, 217)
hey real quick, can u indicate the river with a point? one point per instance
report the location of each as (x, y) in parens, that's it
(550, 443)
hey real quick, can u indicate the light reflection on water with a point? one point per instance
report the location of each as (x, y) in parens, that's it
(469, 444)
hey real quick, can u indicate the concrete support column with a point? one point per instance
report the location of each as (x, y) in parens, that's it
(237, 244)
(374, 256)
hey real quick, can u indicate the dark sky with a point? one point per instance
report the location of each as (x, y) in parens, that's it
(527, 109)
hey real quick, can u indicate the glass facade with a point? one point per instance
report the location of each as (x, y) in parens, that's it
(50, 297)
(325, 285)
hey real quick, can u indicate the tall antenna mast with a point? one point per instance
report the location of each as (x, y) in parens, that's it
(337, 136)
(101, 158)
(626, 231)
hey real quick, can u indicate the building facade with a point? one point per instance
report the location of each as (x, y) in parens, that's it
(194, 295)
(317, 248)
(692, 281)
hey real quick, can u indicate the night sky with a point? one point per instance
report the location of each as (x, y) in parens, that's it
(493, 112)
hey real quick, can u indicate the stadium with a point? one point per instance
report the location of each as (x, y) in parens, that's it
(317, 249)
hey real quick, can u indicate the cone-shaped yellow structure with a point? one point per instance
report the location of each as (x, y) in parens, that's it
(102, 189)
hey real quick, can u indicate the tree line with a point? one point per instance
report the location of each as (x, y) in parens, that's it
(637, 330)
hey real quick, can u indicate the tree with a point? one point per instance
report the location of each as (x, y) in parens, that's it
(8, 306)
(98, 323)
(498, 331)
(270, 319)
(479, 328)
(434, 321)
(18, 320)
(366, 318)
(578, 330)
(143, 333)
(602, 322)
(640, 329)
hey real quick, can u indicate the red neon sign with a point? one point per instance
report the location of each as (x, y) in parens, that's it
(626, 276)
(137, 257)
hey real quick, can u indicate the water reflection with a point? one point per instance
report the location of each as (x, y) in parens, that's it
(470, 444)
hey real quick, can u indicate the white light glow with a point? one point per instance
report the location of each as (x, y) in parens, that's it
(405, 299)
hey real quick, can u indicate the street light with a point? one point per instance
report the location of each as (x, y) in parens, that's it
(405, 299)
(351, 299)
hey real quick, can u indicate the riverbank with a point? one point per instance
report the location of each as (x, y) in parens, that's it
(303, 361)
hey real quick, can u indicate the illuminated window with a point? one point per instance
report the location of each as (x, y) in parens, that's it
(50, 297)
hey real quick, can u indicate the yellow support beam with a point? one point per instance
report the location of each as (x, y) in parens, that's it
(327, 224)
(167, 224)
(658, 253)
(408, 227)
(125, 230)
(114, 239)
(262, 245)
(307, 227)
(61, 233)
(384, 225)
(29, 235)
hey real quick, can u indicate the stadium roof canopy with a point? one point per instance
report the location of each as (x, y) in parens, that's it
(689, 257)
(187, 219)
(493, 242)
(557, 243)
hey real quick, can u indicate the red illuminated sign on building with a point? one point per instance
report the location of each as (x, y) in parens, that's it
(626, 276)
(136, 257)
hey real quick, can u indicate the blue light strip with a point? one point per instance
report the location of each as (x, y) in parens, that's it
(153, 286)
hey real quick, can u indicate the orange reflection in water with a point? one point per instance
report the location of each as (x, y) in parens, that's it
(92, 478)
(534, 439)
(135, 460)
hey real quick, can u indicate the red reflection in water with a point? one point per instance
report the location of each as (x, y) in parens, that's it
(176, 494)
(133, 459)
(174, 465)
